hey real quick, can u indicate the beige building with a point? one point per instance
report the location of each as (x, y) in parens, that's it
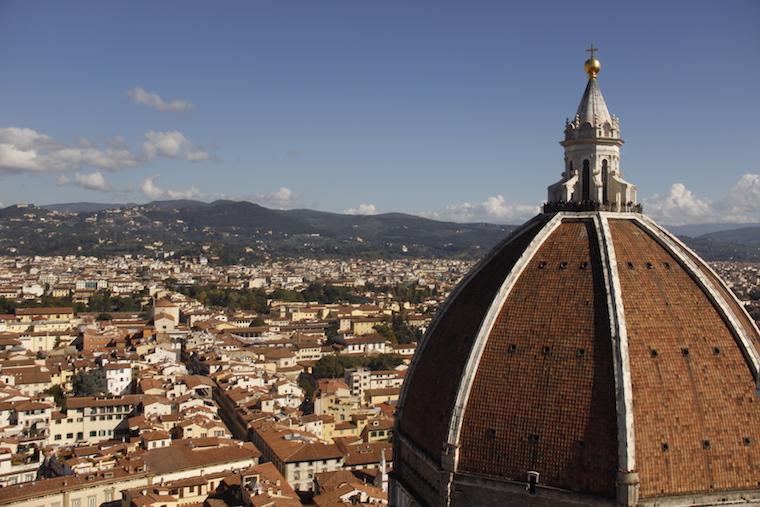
(297, 455)
(92, 419)
(181, 460)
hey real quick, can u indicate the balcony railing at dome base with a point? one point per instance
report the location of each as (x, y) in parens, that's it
(555, 206)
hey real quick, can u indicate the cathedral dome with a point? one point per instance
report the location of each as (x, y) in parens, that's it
(590, 359)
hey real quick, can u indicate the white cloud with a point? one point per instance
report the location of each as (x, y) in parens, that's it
(679, 207)
(282, 198)
(153, 191)
(171, 144)
(742, 204)
(141, 96)
(494, 208)
(24, 150)
(90, 181)
(363, 209)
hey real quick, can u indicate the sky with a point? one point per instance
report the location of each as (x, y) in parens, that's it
(450, 110)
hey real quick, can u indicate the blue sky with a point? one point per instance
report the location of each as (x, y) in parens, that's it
(448, 109)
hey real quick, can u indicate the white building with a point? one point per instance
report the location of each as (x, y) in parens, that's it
(118, 378)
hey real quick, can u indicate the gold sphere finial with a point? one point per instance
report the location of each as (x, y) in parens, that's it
(592, 66)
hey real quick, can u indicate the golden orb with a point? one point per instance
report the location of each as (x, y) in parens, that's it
(592, 67)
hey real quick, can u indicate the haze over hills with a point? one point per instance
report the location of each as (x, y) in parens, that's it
(233, 231)
(243, 231)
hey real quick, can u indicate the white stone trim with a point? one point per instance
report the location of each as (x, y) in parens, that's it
(468, 375)
(619, 335)
(745, 342)
(444, 308)
(683, 245)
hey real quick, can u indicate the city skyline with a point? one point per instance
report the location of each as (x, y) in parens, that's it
(442, 111)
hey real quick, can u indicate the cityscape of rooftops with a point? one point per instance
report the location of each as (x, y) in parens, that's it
(411, 254)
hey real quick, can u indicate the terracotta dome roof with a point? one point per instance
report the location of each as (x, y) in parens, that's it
(596, 350)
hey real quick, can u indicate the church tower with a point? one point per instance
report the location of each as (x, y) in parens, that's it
(592, 178)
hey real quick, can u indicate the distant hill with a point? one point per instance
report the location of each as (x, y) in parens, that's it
(695, 230)
(234, 231)
(749, 236)
(83, 207)
(740, 244)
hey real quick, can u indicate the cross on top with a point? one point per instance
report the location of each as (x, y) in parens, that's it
(592, 50)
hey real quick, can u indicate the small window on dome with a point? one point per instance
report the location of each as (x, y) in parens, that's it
(747, 440)
(584, 265)
(541, 264)
(705, 444)
(630, 265)
(716, 351)
(666, 264)
(665, 447)
(654, 353)
(533, 438)
(563, 265)
(512, 348)
(580, 352)
(546, 350)
(685, 352)
(650, 265)
(491, 432)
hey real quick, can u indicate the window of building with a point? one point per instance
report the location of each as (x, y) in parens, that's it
(605, 178)
(586, 181)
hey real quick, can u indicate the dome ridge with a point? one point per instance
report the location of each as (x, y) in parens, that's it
(555, 330)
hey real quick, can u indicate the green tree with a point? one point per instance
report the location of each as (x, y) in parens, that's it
(231, 299)
(89, 383)
(58, 395)
(403, 331)
(308, 383)
(328, 367)
(7, 306)
(384, 362)
(257, 321)
(386, 332)
(290, 296)
(328, 294)
(332, 330)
